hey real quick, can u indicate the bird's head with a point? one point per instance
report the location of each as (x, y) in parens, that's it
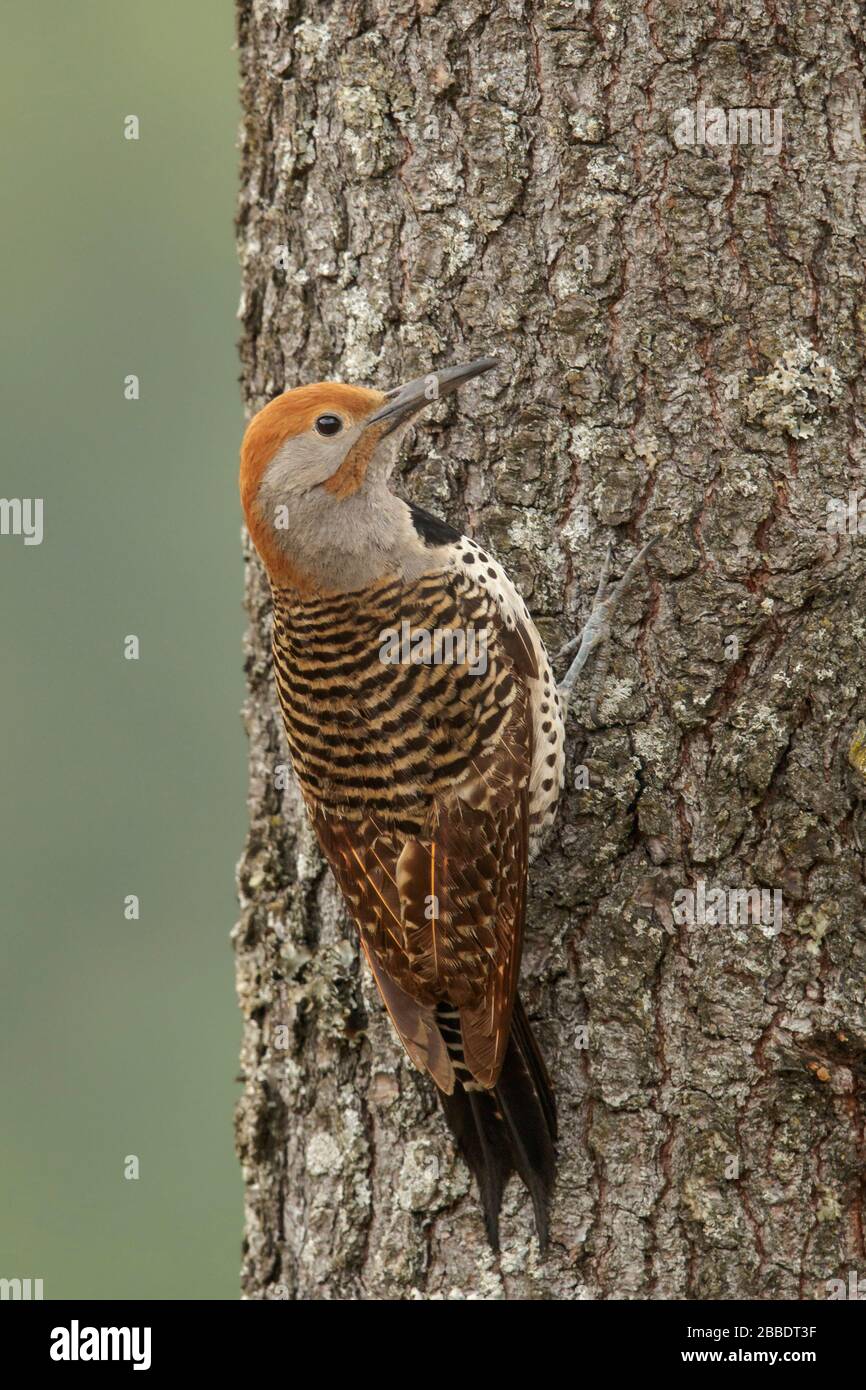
(314, 469)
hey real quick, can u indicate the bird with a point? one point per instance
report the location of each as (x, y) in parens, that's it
(426, 733)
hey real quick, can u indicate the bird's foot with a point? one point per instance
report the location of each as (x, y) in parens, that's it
(596, 631)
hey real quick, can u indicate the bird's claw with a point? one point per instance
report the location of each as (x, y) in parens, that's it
(596, 630)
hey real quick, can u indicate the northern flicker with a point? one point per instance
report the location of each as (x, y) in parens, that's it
(426, 732)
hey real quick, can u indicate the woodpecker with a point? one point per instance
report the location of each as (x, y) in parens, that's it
(426, 733)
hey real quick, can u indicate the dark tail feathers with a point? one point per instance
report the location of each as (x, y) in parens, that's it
(511, 1128)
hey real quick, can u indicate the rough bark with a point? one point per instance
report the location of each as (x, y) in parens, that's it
(419, 184)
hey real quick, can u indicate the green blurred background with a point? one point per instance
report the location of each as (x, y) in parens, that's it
(120, 777)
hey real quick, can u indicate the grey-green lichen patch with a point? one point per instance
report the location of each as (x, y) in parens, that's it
(829, 1207)
(796, 393)
(857, 749)
(815, 921)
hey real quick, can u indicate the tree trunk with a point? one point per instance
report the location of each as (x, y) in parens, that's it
(681, 333)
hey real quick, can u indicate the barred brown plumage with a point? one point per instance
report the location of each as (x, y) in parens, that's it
(429, 765)
(419, 725)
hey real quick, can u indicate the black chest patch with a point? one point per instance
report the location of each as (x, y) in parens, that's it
(431, 529)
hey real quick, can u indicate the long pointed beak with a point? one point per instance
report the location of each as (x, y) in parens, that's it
(405, 401)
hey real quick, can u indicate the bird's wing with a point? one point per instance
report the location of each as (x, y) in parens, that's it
(362, 856)
(440, 905)
(531, 659)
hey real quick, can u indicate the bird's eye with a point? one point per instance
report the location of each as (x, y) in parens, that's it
(329, 424)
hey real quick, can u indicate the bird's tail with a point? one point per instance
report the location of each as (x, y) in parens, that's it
(511, 1128)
